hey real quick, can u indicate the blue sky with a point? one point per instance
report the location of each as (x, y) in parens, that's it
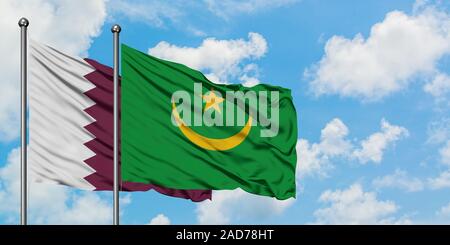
(370, 81)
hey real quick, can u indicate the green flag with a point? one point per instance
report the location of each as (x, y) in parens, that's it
(181, 131)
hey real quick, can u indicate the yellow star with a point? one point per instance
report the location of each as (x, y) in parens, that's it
(212, 100)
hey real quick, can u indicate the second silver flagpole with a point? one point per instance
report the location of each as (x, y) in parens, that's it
(23, 23)
(116, 30)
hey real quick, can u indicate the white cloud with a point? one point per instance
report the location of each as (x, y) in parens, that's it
(354, 206)
(313, 159)
(439, 86)
(399, 179)
(249, 81)
(66, 25)
(373, 147)
(87, 208)
(439, 131)
(442, 181)
(444, 211)
(397, 49)
(445, 153)
(310, 160)
(9, 183)
(250, 75)
(332, 138)
(160, 219)
(439, 134)
(228, 8)
(219, 68)
(49, 204)
(234, 206)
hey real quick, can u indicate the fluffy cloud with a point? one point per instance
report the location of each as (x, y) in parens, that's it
(442, 181)
(86, 208)
(234, 206)
(445, 153)
(439, 131)
(228, 8)
(315, 158)
(397, 49)
(219, 68)
(67, 25)
(310, 160)
(439, 134)
(439, 86)
(332, 138)
(160, 219)
(444, 211)
(50, 204)
(354, 206)
(399, 179)
(373, 147)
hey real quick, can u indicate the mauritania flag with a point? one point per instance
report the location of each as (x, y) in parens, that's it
(71, 124)
(180, 130)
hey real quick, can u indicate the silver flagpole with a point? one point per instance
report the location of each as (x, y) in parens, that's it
(23, 23)
(116, 30)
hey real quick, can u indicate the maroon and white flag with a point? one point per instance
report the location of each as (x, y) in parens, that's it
(71, 124)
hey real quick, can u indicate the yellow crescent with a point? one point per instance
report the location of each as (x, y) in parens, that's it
(212, 143)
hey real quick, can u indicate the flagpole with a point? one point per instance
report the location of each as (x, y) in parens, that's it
(23, 23)
(116, 30)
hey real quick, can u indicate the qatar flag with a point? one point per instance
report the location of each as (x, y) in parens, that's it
(71, 124)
